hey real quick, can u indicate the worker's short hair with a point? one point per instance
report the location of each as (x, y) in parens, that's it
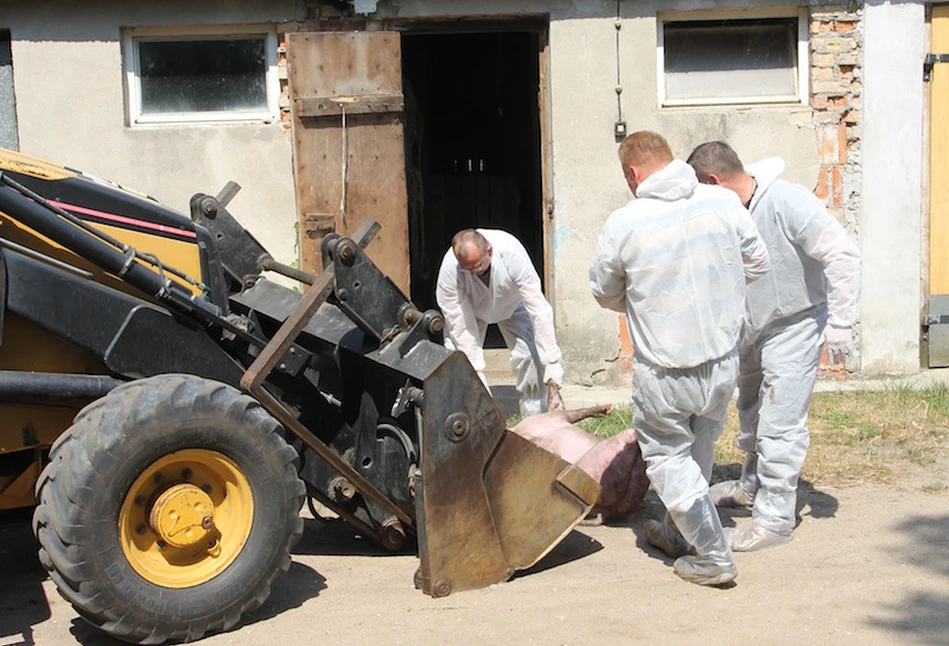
(715, 157)
(466, 238)
(645, 148)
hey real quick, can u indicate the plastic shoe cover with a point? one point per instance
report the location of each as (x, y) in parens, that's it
(532, 406)
(755, 537)
(704, 571)
(730, 494)
(666, 537)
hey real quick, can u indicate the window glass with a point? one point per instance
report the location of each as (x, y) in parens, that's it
(202, 75)
(723, 59)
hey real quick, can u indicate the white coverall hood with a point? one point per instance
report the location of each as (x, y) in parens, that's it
(674, 182)
(765, 173)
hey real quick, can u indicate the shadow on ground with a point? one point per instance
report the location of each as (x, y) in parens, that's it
(335, 537)
(23, 602)
(507, 399)
(921, 616)
(574, 547)
(292, 590)
(811, 502)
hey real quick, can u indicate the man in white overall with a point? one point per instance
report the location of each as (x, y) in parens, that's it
(487, 277)
(675, 260)
(808, 300)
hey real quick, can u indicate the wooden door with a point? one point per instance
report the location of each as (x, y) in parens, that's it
(347, 113)
(939, 158)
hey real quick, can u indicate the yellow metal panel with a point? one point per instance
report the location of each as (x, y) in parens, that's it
(25, 165)
(939, 158)
(183, 255)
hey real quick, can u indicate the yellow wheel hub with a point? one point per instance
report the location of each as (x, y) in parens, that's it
(186, 518)
(182, 516)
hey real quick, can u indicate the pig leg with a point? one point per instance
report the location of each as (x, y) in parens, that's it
(554, 398)
(577, 414)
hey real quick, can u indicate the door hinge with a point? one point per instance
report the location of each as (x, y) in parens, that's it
(929, 62)
(549, 206)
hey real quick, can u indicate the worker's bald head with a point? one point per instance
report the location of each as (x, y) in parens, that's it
(715, 162)
(646, 150)
(472, 250)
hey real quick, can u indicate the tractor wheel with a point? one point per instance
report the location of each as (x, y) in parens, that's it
(168, 509)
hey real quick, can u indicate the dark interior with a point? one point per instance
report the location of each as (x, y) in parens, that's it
(472, 144)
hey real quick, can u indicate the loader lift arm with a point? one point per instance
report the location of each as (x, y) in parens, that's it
(392, 430)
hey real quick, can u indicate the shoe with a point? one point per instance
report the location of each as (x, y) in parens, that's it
(704, 571)
(754, 537)
(731, 494)
(666, 538)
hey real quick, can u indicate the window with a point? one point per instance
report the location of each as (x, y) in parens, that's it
(229, 74)
(732, 61)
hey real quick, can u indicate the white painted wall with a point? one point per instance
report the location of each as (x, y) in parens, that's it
(588, 182)
(892, 179)
(68, 70)
(69, 93)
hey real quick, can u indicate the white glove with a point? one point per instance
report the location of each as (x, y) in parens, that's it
(553, 372)
(839, 342)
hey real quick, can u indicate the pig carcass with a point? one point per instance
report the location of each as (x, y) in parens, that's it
(616, 462)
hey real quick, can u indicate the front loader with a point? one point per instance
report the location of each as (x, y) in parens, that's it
(185, 407)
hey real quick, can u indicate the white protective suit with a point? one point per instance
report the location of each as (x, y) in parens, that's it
(814, 280)
(675, 260)
(513, 300)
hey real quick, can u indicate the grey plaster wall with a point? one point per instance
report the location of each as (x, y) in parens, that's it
(587, 179)
(71, 110)
(8, 129)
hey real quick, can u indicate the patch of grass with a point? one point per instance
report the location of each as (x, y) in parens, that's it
(619, 420)
(872, 437)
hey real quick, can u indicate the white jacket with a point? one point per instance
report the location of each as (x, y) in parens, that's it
(464, 300)
(814, 263)
(675, 261)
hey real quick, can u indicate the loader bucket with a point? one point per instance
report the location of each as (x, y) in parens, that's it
(488, 502)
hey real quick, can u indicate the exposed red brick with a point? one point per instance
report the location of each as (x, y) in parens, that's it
(844, 25)
(832, 144)
(625, 343)
(838, 186)
(842, 144)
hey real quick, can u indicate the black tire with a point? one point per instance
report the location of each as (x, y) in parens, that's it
(94, 464)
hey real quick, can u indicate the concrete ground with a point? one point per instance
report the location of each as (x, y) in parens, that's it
(867, 566)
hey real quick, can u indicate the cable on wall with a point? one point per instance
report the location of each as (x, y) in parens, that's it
(619, 128)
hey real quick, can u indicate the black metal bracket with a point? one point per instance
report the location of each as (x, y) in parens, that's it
(929, 62)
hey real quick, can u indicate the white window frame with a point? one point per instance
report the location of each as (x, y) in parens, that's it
(803, 57)
(133, 90)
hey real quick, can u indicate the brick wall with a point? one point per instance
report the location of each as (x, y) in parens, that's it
(836, 42)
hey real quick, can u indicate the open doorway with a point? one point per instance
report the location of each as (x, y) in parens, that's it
(472, 144)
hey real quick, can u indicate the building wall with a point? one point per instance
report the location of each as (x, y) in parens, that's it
(864, 115)
(71, 110)
(892, 209)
